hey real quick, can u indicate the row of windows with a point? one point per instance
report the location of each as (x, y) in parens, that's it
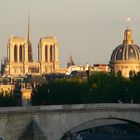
(33, 70)
(131, 73)
(51, 50)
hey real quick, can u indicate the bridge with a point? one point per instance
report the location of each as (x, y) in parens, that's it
(59, 122)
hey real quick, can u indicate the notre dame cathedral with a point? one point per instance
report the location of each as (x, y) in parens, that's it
(19, 60)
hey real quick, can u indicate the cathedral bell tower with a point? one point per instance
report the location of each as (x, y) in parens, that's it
(48, 54)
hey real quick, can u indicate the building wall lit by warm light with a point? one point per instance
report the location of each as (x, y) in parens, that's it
(18, 62)
(8, 88)
(101, 68)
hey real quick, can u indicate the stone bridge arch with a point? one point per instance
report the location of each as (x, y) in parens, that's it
(105, 128)
(53, 122)
(75, 115)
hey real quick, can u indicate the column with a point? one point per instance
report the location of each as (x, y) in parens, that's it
(11, 52)
(56, 53)
(18, 53)
(41, 50)
(39, 54)
(48, 53)
(53, 53)
(43, 53)
(8, 57)
(26, 53)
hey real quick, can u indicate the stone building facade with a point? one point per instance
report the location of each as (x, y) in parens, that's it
(18, 57)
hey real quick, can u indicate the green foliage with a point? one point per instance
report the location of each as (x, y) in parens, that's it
(40, 95)
(61, 92)
(7, 99)
(134, 88)
(68, 92)
(99, 88)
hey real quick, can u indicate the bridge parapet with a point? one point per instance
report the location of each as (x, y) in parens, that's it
(80, 107)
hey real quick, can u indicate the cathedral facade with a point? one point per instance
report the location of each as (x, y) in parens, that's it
(19, 60)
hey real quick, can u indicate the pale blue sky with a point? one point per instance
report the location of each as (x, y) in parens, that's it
(86, 29)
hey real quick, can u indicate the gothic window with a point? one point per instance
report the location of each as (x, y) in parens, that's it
(20, 53)
(51, 53)
(46, 53)
(15, 53)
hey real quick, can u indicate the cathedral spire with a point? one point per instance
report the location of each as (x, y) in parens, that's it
(29, 30)
(30, 58)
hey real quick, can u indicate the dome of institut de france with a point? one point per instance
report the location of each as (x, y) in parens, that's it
(125, 58)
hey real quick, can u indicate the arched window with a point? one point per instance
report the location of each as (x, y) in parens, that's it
(46, 53)
(119, 73)
(51, 53)
(15, 53)
(20, 53)
(131, 73)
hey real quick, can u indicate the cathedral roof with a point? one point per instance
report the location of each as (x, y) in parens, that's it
(17, 39)
(48, 39)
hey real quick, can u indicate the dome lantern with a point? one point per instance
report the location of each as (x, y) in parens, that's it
(128, 33)
(128, 37)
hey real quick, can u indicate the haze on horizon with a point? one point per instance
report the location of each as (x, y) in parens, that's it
(88, 30)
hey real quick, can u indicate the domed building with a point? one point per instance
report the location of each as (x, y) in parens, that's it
(125, 59)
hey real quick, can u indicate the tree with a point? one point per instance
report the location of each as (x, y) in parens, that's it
(99, 88)
(7, 99)
(66, 91)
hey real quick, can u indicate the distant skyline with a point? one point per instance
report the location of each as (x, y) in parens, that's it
(88, 30)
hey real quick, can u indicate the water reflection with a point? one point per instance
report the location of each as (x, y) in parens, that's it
(105, 129)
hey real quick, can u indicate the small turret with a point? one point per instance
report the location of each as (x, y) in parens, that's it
(70, 62)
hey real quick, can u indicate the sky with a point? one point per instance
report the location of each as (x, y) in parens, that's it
(87, 30)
